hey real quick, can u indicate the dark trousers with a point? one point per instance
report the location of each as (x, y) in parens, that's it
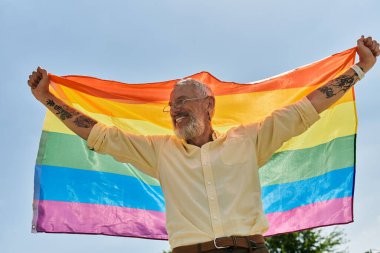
(260, 249)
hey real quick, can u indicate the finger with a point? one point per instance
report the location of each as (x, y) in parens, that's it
(31, 79)
(42, 71)
(377, 50)
(38, 73)
(374, 48)
(35, 77)
(368, 42)
(360, 42)
(32, 85)
(374, 45)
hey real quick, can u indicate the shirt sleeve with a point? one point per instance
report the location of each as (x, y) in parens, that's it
(139, 150)
(283, 124)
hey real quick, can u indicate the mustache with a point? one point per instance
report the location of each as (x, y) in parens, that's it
(180, 114)
(194, 127)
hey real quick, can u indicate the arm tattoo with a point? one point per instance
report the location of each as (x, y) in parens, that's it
(85, 122)
(50, 102)
(64, 111)
(340, 84)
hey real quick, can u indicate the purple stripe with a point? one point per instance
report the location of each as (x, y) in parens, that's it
(72, 217)
(335, 211)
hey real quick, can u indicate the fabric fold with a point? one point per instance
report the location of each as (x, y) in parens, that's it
(92, 197)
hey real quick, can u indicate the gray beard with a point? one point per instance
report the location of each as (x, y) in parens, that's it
(192, 129)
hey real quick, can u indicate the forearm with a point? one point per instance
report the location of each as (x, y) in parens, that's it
(76, 121)
(331, 92)
(323, 97)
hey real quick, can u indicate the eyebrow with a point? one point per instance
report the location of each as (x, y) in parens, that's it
(181, 97)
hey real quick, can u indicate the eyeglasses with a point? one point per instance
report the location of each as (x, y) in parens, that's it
(179, 103)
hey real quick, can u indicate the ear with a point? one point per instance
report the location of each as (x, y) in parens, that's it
(210, 107)
(211, 103)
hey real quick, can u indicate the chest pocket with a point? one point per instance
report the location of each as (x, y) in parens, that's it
(235, 151)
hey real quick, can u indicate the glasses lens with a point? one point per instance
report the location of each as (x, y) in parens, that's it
(166, 108)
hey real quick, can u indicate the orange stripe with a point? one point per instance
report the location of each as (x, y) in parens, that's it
(310, 75)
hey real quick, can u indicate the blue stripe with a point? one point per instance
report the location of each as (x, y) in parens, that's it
(284, 197)
(95, 187)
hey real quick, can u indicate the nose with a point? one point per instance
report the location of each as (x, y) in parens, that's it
(174, 110)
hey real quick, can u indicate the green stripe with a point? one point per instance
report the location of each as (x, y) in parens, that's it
(289, 166)
(70, 151)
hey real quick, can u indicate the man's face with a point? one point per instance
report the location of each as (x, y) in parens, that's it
(190, 119)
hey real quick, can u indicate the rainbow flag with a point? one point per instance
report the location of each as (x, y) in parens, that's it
(307, 183)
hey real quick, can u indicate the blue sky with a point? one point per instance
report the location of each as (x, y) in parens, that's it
(146, 41)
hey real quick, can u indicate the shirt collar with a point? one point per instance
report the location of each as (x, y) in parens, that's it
(215, 135)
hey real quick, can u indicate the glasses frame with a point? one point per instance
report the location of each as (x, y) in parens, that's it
(180, 103)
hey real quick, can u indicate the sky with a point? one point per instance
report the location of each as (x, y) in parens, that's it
(148, 41)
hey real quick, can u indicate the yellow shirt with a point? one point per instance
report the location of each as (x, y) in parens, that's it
(214, 190)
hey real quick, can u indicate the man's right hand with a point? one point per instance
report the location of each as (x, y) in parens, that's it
(39, 84)
(75, 120)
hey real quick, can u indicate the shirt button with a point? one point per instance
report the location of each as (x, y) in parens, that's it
(208, 182)
(215, 217)
(212, 198)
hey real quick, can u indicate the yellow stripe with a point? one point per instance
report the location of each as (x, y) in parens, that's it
(252, 107)
(335, 122)
(230, 109)
(53, 124)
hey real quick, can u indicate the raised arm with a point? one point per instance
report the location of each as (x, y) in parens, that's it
(76, 121)
(332, 91)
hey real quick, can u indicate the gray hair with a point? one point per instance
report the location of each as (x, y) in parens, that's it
(202, 89)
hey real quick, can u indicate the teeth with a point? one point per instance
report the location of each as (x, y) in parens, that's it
(179, 119)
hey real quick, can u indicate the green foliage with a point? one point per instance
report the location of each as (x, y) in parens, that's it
(307, 241)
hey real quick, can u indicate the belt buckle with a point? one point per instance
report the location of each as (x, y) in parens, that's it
(219, 247)
(253, 244)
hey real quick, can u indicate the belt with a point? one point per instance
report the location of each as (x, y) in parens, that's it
(221, 243)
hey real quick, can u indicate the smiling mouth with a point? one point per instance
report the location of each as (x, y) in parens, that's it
(179, 119)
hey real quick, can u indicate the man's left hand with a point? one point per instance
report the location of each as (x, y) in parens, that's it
(368, 50)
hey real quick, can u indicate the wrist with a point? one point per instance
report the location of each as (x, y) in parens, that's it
(365, 66)
(43, 98)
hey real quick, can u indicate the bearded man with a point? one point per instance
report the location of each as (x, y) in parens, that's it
(211, 188)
